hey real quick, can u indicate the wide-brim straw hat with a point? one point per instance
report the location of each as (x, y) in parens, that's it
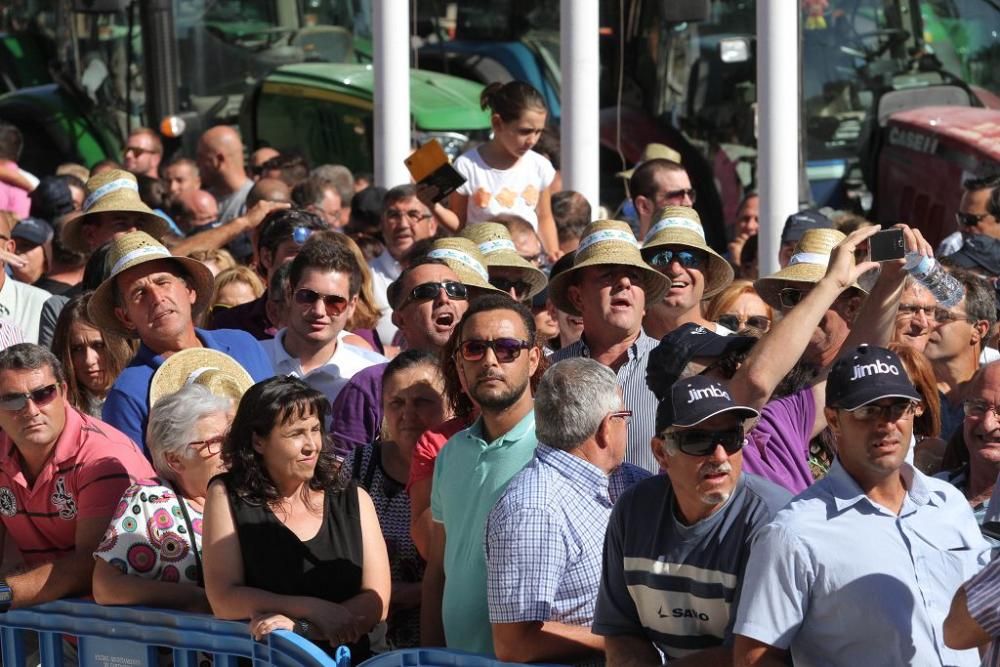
(607, 242)
(652, 152)
(114, 191)
(131, 250)
(807, 265)
(681, 226)
(216, 371)
(463, 257)
(496, 245)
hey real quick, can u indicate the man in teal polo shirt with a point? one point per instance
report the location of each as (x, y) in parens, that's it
(496, 357)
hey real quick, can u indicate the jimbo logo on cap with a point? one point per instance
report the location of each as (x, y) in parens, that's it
(866, 375)
(875, 368)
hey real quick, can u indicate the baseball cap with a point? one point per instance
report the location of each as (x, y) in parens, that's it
(866, 375)
(696, 399)
(51, 199)
(980, 253)
(33, 230)
(676, 350)
(798, 223)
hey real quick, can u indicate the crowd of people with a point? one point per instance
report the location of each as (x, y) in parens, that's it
(500, 422)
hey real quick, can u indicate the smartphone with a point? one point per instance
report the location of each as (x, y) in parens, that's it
(886, 245)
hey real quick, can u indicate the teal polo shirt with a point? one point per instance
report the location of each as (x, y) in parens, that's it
(470, 475)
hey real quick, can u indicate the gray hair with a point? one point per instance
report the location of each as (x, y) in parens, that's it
(339, 177)
(173, 423)
(572, 399)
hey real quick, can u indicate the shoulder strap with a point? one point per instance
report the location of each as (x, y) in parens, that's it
(374, 460)
(190, 527)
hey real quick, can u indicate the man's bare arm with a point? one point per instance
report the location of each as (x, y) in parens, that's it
(213, 239)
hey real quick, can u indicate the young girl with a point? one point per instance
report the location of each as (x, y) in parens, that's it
(504, 175)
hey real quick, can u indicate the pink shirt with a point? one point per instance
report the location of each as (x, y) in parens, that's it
(13, 198)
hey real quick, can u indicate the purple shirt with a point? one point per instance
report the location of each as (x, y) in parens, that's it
(778, 446)
(357, 410)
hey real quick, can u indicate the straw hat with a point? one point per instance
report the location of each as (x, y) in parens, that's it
(499, 250)
(652, 152)
(807, 265)
(463, 257)
(112, 191)
(680, 225)
(131, 250)
(607, 242)
(216, 371)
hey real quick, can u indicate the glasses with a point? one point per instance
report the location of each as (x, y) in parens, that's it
(541, 259)
(428, 291)
(942, 316)
(624, 415)
(689, 259)
(912, 309)
(213, 445)
(970, 219)
(392, 215)
(736, 323)
(138, 151)
(40, 397)
(674, 195)
(520, 287)
(335, 304)
(505, 349)
(703, 443)
(977, 409)
(791, 297)
(892, 413)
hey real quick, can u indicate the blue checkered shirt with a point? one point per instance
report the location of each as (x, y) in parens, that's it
(635, 394)
(545, 538)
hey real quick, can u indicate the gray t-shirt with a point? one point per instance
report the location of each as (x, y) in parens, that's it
(231, 206)
(679, 585)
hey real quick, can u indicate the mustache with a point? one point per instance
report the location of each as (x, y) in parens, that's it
(723, 468)
(489, 375)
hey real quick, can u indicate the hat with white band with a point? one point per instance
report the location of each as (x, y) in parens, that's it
(131, 250)
(681, 226)
(807, 265)
(498, 248)
(114, 191)
(214, 370)
(463, 257)
(606, 242)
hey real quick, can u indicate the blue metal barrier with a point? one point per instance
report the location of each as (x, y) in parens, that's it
(133, 636)
(436, 657)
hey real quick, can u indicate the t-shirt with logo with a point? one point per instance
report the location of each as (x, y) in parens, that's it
(493, 192)
(679, 585)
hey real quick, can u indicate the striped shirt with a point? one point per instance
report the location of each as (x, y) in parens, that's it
(983, 601)
(635, 393)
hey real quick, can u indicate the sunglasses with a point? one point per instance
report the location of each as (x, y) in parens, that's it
(428, 291)
(40, 397)
(689, 259)
(505, 349)
(301, 234)
(791, 297)
(520, 287)
(735, 323)
(137, 151)
(335, 304)
(680, 194)
(703, 443)
(892, 413)
(970, 219)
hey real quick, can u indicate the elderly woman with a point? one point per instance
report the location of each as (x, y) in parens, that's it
(151, 552)
(286, 545)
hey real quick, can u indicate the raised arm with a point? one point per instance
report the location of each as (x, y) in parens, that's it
(220, 236)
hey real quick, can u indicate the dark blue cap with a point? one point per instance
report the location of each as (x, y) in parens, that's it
(798, 223)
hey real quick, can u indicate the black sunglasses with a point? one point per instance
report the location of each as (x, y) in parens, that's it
(970, 219)
(679, 194)
(703, 443)
(505, 349)
(734, 323)
(520, 287)
(335, 304)
(428, 291)
(40, 397)
(689, 259)
(791, 297)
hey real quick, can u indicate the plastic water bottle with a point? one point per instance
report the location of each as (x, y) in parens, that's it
(945, 287)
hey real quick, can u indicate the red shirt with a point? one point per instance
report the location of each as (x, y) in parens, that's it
(91, 466)
(429, 446)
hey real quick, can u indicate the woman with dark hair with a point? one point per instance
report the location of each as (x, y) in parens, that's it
(285, 544)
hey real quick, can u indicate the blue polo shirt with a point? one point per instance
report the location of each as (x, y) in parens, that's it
(838, 579)
(127, 405)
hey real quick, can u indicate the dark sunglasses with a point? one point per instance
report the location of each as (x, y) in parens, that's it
(703, 443)
(428, 291)
(791, 297)
(40, 397)
(335, 304)
(505, 349)
(679, 194)
(138, 151)
(970, 219)
(689, 259)
(735, 323)
(520, 287)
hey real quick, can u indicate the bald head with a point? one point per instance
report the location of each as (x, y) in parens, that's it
(220, 158)
(269, 189)
(196, 208)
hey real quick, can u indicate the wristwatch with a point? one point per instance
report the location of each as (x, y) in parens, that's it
(6, 596)
(302, 627)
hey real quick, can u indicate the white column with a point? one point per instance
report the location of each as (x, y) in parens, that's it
(578, 53)
(391, 60)
(777, 123)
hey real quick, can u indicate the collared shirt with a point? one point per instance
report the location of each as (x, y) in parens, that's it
(329, 378)
(385, 269)
(127, 405)
(838, 579)
(91, 466)
(983, 602)
(635, 394)
(470, 474)
(22, 304)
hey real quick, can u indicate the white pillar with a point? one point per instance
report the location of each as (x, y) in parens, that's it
(777, 123)
(391, 60)
(580, 136)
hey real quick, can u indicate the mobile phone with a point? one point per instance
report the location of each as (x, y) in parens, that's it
(886, 245)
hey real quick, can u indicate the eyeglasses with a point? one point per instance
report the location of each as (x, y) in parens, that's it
(689, 259)
(912, 309)
(943, 316)
(138, 151)
(970, 219)
(735, 323)
(40, 397)
(520, 287)
(505, 349)
(975, 408)
(428, 291)
(213, 445)
(791, 297)
(703, 443)
(335, 304)
(624, 415)
(674, 195)
(392, 215)
(892, 413)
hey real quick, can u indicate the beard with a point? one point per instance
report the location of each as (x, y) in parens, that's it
(498, 401)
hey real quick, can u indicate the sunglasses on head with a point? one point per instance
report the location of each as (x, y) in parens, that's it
(505, 349)
(428, 291)
(520, 287)
(703, 443)
(734, 322)
(689, 259)
(40, 397)
(335, 304)
(791, 296)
